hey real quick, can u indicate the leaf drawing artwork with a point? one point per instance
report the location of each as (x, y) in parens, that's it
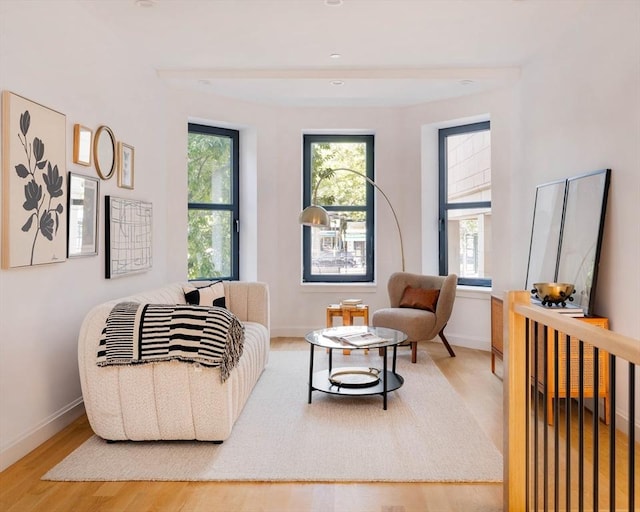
(34, 211)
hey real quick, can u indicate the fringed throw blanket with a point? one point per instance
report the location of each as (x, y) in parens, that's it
(143, 333)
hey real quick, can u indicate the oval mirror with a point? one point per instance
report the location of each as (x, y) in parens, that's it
(104, 152)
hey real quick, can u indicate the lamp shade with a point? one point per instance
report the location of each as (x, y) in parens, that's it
(314, 216)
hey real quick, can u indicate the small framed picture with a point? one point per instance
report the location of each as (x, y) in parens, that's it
(82, 138)
(125, 165)
(83, 216)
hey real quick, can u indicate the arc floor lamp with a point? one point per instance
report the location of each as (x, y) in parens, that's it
(316, 216)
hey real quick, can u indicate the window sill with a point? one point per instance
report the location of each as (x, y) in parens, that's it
(473, 292)
(338, 287)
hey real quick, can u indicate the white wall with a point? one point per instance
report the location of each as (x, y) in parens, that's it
(74, 66)
(576, 109)
(580, 112)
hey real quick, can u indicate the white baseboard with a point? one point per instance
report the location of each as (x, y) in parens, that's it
(468, 341)
(41, 433)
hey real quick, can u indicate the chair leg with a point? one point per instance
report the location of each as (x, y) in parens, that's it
(446, 343)
(414, 351)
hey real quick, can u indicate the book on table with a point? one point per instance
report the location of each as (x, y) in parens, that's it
(355, 339)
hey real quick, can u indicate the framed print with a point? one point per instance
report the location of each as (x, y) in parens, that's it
(582, 232)
(34, 194)
(128, 229)
(125, 165)
(83, 216)
(548, 212)
(82, 138)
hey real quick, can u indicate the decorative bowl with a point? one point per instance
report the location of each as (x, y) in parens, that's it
(553, 293)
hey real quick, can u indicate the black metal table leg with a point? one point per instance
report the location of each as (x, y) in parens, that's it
(311, 371)
(395, 353)
(384, 380)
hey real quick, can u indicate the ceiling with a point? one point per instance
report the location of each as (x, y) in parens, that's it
(391, 52)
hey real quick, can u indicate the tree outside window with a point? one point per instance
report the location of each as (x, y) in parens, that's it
(213, 203)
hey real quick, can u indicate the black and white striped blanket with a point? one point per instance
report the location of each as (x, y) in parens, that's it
(142, 333)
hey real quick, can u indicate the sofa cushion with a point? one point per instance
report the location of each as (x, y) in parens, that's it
(205, 294)
(420, 298)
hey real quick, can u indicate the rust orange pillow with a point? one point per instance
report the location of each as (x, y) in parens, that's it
(419, 298)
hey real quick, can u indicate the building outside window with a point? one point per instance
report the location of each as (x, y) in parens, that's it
(213, 202)
(465, 203)
(343, 251)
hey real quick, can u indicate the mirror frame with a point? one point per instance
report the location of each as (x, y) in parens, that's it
(102, 166)
(544, 246)
(579, 252)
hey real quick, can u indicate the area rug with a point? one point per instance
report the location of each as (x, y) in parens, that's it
(426, 435)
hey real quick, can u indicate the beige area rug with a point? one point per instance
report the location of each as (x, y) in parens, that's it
(426, 435)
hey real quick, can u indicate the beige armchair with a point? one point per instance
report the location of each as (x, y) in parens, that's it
(406, 313)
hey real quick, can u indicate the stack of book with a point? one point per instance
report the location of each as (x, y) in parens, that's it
(568, 310)
(350, 303)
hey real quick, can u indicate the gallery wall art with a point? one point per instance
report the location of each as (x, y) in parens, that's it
(34, 189)
(129, 225)
(83, 215)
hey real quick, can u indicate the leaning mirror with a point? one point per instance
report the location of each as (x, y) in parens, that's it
(582, 231)
(545, 233)
(104, 152)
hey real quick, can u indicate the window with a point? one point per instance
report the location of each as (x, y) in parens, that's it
(465, 203)
(342, 252)
(213, 203)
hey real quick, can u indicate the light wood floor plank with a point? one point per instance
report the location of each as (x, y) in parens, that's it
(21, 489)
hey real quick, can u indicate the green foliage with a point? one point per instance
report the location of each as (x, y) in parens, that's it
(209, 181)
(339, 187)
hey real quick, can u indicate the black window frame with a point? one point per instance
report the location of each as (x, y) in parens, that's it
(444, 206)
(368, 208)
(234, 206)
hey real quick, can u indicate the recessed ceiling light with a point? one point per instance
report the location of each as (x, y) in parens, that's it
(466, 82)
(337, 83)
(332, 2)
(204, 82)
(335, 55)
(145, 3)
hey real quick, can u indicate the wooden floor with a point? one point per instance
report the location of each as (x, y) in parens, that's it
(21, 489)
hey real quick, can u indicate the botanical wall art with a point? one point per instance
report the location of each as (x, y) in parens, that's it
(34, 202)
(83, 215)
(129, 224)
(125, 165)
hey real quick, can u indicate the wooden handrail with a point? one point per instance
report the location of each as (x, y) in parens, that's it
(621, 346)
(516, 384)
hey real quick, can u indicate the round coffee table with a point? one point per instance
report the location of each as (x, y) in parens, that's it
(381, 338)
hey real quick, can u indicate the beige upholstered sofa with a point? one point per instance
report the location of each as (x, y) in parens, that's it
(173, 400)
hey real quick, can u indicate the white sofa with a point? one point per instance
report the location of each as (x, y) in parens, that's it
(173, 400)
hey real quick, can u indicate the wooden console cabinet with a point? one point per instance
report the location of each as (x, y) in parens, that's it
(588, 369)
(497, 350)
